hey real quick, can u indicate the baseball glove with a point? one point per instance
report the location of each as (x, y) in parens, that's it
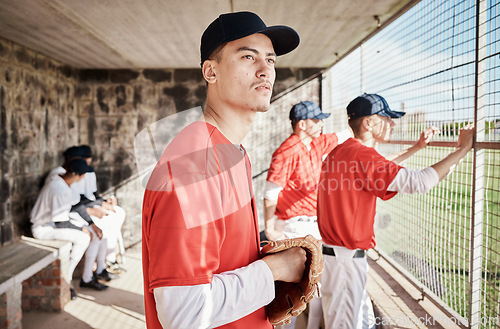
(292, 298)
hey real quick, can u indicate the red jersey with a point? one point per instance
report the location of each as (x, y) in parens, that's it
(297, 170)
(352, 177)
(198, 209)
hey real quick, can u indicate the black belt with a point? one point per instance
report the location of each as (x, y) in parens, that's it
(306, 219)
(329, 251)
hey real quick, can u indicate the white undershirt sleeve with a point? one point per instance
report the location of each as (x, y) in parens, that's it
(414, 181)
(231, 296)
(272, 191)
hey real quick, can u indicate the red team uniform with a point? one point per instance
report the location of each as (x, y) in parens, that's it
(297, 170)
(356, 175)
(199, 210)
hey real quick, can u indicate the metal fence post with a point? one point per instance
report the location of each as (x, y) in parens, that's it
(478, 191)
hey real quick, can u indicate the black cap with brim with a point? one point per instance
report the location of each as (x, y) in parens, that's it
(392, 114)
(79, 167)
(73, 152)
(370, 104)
(307, 110)
(322, 116)
(87, 151)
(233, 26)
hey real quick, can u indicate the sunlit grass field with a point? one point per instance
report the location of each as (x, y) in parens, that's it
(431, 234)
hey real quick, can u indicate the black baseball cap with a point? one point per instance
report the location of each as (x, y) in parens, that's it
(73, 152)
(79, 167)
(307, 110)
(369, 104)
(87, 151)
(233, 26)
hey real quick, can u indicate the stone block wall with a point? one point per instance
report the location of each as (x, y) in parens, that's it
(38, 117)
(114, 106)
(46, 106)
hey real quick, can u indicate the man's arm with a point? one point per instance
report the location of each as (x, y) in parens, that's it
(210, 305)
(421, 181)
(270, 220)
(425, 138)
(465, 140)
(270, 203)
(344, 135)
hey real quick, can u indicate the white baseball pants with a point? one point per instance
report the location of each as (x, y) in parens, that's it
(79, 239)
(346, 304)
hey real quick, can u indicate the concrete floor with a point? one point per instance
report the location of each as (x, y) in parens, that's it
(121, 305)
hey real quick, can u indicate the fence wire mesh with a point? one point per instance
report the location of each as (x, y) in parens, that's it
(439, 62)
(435, 64)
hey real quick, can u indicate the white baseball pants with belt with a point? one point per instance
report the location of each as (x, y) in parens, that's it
(346, 304)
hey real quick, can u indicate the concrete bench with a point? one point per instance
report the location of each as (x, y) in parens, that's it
(31, 278)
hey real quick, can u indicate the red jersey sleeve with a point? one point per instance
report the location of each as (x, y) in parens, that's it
(374, 173)
(329, 141)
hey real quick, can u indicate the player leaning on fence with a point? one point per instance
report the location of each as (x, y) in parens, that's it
(353, 176)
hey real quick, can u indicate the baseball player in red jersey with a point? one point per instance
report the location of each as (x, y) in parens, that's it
(291, 191)
(353, 176)
(201, 261)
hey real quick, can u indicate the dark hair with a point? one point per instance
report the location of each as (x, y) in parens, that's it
(355, 124)
(216, 56)
(217, 53)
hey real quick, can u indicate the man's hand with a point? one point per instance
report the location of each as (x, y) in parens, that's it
(96, 211)
(86, 231)
(426, 136)
(97, 230)
(464, 145)
(112, 200)
(287, 265)
(108, 206)
(466, 137)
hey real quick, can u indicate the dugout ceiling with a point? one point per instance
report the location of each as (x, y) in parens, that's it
(113, 34)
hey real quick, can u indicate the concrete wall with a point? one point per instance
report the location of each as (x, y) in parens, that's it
(46, 106)
(38, 118)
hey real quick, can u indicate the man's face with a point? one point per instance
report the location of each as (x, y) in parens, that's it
(381, 128)
(313, 127)
(245, 73)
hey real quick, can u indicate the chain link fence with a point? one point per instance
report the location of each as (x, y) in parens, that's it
(439, 62)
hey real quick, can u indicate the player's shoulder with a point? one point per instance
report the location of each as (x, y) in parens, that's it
(56, 186)
(328, 137)
(195, 139)
(198, 151)
(352, 148)
(349, 144)
(290, 146)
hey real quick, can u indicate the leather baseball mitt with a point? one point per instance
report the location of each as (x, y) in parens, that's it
(292, 298)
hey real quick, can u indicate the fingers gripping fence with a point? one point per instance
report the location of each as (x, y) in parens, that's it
(439, 62)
